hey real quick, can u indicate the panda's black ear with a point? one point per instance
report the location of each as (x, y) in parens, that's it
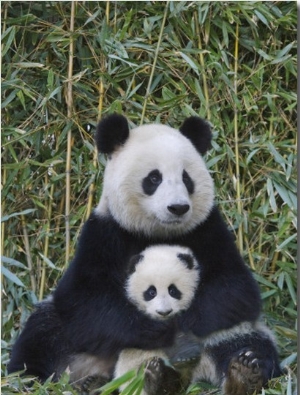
(112, 131)
(187, 259)
(199, 132)
(133, 261)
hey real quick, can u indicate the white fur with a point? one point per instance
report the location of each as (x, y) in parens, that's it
(161, 267)
(159, 147)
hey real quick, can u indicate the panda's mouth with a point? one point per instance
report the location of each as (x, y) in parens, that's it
(172, 222)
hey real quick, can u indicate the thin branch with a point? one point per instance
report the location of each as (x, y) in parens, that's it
(46, 246)
(155, 61)
(28, 255)
(236, 142)
(201, 58)
(69, 137)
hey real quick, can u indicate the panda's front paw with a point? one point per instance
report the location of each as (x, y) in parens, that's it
(161, 379)
(245, 374)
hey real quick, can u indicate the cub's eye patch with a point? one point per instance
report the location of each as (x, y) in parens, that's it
(150, 293)
(151, 182)
(174, 292)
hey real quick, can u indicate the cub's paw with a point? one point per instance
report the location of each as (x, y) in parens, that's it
(245, 374)
(161, 379)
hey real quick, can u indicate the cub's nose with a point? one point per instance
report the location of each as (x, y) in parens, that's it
(178, 209)
(164, 313)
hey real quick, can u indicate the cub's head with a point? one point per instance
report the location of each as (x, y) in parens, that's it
(155, 181)
(162, 280)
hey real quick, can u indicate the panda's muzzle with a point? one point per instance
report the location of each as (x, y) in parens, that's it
(179, 209)
(164, 313)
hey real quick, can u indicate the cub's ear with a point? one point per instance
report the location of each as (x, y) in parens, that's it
(199, 132)
(112, 131)
(133, 261)
(188, 260)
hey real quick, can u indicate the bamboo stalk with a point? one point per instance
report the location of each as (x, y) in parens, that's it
(4, 174)
(46, 246)
(107, 11)
(203, 74)
(69, 137)
(28, 255)
(100, 109)
(95, 152)
(155, 61)
(236, 143)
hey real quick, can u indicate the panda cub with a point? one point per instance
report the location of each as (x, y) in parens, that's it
(161, 283)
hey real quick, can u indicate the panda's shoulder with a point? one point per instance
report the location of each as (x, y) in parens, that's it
(100, 227)
(213, 227)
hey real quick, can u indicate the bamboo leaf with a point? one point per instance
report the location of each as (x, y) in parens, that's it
(11, 277)
(25, 212)
(190, 62)
(10, 32)
(48, 262)
(261, 17)
(13, 262)
(28, 65)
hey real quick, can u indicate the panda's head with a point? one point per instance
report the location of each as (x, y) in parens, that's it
(155, 181)
(162, 280)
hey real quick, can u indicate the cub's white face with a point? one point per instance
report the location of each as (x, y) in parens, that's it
(157, 183)
(164, 281)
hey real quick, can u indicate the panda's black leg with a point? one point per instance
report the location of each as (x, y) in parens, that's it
(161, 379)
(241, 364)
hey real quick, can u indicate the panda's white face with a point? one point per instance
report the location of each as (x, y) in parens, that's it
(157, 183)
(164, 281)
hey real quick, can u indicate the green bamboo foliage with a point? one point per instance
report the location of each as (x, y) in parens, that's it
(67, 64)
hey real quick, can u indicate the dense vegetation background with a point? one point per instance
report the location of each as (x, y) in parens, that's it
(65, 65)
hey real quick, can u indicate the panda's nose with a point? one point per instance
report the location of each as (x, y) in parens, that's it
(178, 209)
(164, 313)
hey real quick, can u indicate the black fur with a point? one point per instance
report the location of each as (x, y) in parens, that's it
(151, 182)
(112, 131)
(198, 131)
(96, 317)
(188, 182)
(42, 347)
(134, 260)
(187, 259)
(254, 348)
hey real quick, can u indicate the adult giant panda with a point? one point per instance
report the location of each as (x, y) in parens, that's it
(161, 283)
(156, 190)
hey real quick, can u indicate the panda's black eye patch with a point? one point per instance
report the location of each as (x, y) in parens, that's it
(174, 292)
(188, 182)
(151, 182)
(150, 293)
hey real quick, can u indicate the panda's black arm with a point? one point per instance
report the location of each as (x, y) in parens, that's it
(90, 298)
(105, 323)
(227, 294)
